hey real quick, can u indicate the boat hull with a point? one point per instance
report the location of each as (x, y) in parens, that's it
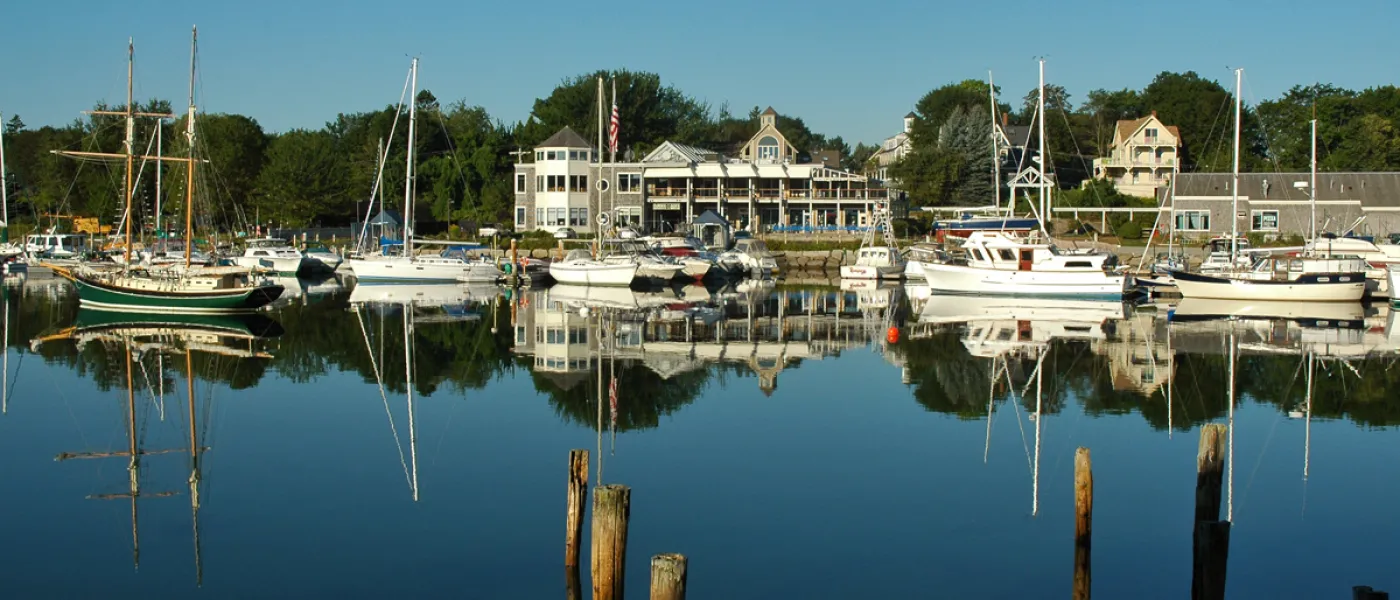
(1393, 278)
(959, 279)
(593, 274)
(1334, 289)
(871, 272)
(103, 296)
(404, 270)
(275, 264)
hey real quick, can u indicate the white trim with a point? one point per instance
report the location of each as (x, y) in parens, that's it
(1253, 213)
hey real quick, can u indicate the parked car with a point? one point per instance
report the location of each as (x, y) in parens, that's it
(565, 233)
(490, 230)
(627, 233)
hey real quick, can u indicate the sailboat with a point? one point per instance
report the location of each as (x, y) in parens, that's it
(1307, 278)
(593, 268)
(452, 265)
(9, 253)
(1001, 263)
(174, 289)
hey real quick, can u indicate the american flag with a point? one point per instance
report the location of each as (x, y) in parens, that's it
(612, 400)
(612, 129)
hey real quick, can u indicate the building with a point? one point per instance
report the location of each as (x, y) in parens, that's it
(891, 151)
(1276, 205)
(764, 186)
(1144, 155)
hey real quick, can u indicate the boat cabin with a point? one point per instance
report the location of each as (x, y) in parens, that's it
(752, 247)
(59, 245)
(877, 256)
(1294, 268)
(1003, 252)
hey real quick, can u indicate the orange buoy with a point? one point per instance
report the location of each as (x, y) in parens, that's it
(892, 335)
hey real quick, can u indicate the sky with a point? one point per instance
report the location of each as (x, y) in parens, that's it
(852, 69)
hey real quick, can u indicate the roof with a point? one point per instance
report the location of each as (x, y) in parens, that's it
(676, 152)
(1127, 127)
(565, 138)
(911, 115)
(709, 217)
(386, 217)
(770, 111)
(1371, 189)
(1017, 135)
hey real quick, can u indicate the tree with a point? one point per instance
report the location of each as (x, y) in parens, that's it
(1285, 123)
(304, 178)
(1204, 113)
(14, 125)
(856, 159)
(234, 148)
(966, 133)
(1104, 109)
(649, 112)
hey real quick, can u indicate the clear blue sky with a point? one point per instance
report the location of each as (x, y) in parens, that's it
(848, 68)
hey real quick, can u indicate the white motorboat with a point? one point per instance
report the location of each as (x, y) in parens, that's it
(750, 256)
(875, 262)
(272, 255)
(649, 265)
(687, 251)
(920, 255)
(580, 268)
(1393, 277)
(320, 258)
(1207, 309)
(60, 246)
(998, 263)
(945, 309)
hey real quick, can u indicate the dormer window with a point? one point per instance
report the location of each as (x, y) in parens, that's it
(768, 148)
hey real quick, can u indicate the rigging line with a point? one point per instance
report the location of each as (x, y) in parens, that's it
(1016, 405)
(374, 365)
(383, 158)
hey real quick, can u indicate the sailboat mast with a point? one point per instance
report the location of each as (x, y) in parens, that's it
(194, 468)
(1235, 172)
(996, 162)
(130, 144)
(408, 384)
(597, 248)
(408, 173)
(189, 139)
(1044, 164)
(160, 166)
(1312, 181)
(4, 190)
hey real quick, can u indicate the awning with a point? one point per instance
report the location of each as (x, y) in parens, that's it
(772, 171)
(663, 172)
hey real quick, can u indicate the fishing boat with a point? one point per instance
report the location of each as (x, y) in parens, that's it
(171, 289)
(876, 261)
(1308, 278)
(398, 262)
(271, 255)
(997, 263)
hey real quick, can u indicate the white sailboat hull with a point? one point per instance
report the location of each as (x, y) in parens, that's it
(1392, 275)
(399, 268)
(1206, 308)
(1226, 288)
(959, 279)
(592, 273)
(279, 264)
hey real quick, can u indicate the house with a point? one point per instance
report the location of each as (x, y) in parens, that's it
(764, 187)
(891, 151)
(1144, 155)
(1276, 205)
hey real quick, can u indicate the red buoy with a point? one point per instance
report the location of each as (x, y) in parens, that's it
(892, 335)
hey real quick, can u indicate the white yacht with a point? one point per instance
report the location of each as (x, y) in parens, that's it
(999, 263)
(1379, 256)
(875, 262)
(320, 258)
(751, 256)
(272, 255)
(452, 264)
(649, 264)
(1393, 277)
(60, 246)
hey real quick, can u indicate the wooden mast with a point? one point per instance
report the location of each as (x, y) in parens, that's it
(194, 469)
(189, 169)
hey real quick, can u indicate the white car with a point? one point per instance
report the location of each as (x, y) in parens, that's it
(565, 233)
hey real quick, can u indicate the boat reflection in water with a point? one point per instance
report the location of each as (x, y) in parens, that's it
(148, 344)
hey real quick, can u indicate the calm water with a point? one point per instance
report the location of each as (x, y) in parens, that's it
(773, 435)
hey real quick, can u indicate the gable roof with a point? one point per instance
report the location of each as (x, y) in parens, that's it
(670, 151)
(710, 217)
(770, 111)
(565, 138)
(911, 115)
(1128, 127)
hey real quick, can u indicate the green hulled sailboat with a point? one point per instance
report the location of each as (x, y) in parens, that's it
(171, 289)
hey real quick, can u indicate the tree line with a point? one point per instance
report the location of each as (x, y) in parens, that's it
(325, 176)
(950, 161)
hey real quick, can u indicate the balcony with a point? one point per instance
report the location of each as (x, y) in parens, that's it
(707, 192)
(662, 192)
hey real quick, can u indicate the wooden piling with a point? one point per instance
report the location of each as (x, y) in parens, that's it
(611, 509)
(1364, 592)
(573, 588)
(1210, 469)
(1083, 521)
(668, 577)
(578, 495)
(559, 253)
(1211, 554)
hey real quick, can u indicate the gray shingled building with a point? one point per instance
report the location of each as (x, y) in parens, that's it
(1277, 204)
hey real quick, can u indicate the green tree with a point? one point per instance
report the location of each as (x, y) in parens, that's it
(649, 112)
(1204, 113)
(304, 178)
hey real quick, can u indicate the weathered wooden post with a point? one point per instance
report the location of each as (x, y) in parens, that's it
(1210, 468)
(611, 509)
(1210, 548)
(668, 577)
(578, 494)
(1364, 592)
(1083, 521)
(514, 261)
(559, 252)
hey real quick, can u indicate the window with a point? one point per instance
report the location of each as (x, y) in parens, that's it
(1006, 254)
(573, 155)
(521, 336)
(556, 183)
(768, 148)
(629, 215)
(554, 336)
(1193, 220)
(578, 183)
(539, 183)
(578, 335)
(1263, 220)
(629, 183)
(519, 217)
(520, 183)
(558, 217)
(539, 155)
(539, 217)
(578, 217)
(1150, 133)
(978, 254)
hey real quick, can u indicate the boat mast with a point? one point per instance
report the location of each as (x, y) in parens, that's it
(1044, 165)
(1235, 173)
(130, 145)
(1312, 181)
(4, 192)
(408, 173)
(597, 248)
(408, 384)
(195, 475)
(996, 162)
(189, 139)
(160, 166)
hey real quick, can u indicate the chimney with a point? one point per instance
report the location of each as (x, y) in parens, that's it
(1004, 119)
(1154, 114)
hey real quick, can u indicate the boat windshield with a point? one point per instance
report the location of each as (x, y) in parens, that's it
(753, 247)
